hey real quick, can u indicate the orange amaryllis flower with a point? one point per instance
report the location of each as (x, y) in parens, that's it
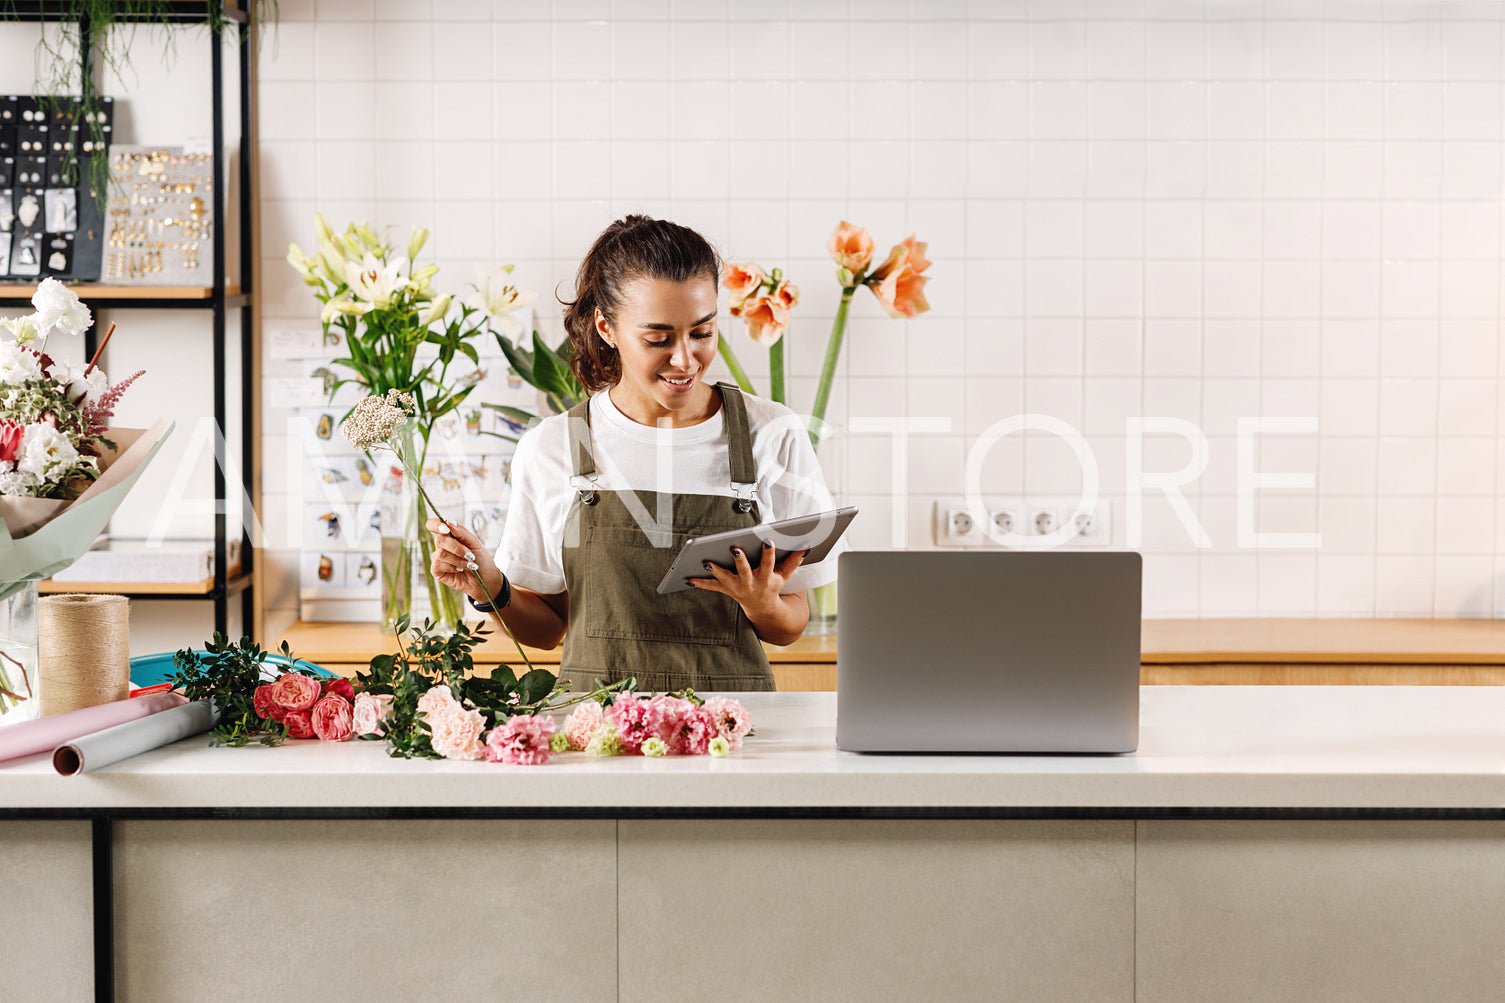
(850, 246)
(788, 294)
(898, 282)
(766, 318)
(741, 280)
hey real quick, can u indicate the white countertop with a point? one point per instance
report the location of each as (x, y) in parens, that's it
(1372, 747)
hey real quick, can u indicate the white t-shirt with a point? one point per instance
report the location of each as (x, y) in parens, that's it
(630, 456)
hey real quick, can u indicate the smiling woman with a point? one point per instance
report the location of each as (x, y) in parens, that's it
(603, 497)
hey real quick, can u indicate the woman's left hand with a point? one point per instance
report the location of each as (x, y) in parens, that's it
(756, 590)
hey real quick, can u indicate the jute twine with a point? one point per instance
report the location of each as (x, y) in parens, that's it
(83, 651)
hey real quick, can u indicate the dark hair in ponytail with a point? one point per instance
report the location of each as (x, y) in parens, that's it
(633, 247)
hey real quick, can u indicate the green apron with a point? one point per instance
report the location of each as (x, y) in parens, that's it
(619, 624)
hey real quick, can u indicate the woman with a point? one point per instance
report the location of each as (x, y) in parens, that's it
(603, 497)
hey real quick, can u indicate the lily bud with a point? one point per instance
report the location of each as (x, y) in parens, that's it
(437, 311)
(416, 241)
(321, 225)
(368, 235)
(421, 276)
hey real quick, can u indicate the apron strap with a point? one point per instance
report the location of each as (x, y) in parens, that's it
(738, 434)
(582, 463)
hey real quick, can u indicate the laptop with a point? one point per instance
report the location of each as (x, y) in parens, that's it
(988, 651)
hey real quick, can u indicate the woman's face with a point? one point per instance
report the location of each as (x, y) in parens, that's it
(665, 333)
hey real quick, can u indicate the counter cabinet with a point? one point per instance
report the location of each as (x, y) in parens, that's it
(1264, 843)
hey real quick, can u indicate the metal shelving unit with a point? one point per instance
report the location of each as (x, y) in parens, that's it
(218, 299)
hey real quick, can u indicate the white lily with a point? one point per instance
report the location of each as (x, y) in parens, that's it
(375, 281)
(497, 297)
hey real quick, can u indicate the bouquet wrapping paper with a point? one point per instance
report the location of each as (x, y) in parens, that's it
(46, 734)
(102, 748)
(41, 535)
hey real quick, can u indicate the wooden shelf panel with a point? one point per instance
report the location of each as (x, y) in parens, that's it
(1317, 640)
(203, 588)
(90, 291)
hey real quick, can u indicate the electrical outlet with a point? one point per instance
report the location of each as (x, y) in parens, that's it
(1006, 520)
(1094, 528)
(1042, 522)
(955, 526)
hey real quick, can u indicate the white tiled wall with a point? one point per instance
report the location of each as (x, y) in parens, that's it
(1201, 210)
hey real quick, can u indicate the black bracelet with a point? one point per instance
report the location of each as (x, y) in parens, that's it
(503, 601)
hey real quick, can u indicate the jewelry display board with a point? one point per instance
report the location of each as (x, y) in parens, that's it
(160, 217)
(50, 222)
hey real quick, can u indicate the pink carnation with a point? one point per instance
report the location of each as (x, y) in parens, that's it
(436, 699)
(582, 724)
(370, 709)
(665, 713)
(693, 733)
(295, 691)
(522, 741)
(331, 718)
(456, 732)
(300, 724)
(633, 720)
(732, 720)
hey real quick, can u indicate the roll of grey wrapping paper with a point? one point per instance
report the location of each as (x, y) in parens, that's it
(91, 752)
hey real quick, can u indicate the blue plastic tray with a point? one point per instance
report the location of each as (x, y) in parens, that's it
(149, 670)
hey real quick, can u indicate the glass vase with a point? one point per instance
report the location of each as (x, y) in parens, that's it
(830, 449)
(18, 651)
(407, 547)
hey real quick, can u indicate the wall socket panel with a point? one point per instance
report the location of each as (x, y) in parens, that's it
(956, 525)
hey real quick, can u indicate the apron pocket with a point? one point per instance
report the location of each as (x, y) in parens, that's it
(621, 592)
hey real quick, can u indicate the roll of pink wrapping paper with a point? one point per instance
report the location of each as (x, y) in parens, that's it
(47, 733)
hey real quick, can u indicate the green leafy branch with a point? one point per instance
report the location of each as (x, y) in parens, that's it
(227, 675)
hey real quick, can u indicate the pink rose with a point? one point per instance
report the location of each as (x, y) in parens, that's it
(369, 712)
(850, 246)
(766, 318)
(455, 733)
(340, 688)
(299, 724)
(295, 691)
(731, 720)
(266, 706)
(740, 282)
(632, 719)
(522, 741)
(898, 283)
(331, 718)
(582, 724)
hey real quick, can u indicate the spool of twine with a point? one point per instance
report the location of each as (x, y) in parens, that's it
(83, 651)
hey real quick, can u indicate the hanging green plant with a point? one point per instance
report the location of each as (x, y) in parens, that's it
(66, 56)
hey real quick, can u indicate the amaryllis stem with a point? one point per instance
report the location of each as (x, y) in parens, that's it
(738, 373)
(776, 370)
(490, 599)
(828, 371)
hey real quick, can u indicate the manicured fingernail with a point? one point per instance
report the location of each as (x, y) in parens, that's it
(706, 565)
(767, 545)
(471, 566)
(737, 551)
(469, 556)
(443, 528)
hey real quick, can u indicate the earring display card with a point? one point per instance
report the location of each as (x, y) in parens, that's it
(161, 217)
(4, 251)
(46, 144)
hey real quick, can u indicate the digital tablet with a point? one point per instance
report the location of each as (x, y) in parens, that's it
(814, 533)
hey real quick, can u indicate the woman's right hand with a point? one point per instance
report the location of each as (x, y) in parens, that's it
(459, 557)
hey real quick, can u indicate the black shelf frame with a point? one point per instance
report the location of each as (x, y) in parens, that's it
(219, 303)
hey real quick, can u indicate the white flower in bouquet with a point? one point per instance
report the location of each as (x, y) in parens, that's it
(82, 383)
(497, 297)
(59, 309)
(374, 282)
(18, 365)
(46, 452)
